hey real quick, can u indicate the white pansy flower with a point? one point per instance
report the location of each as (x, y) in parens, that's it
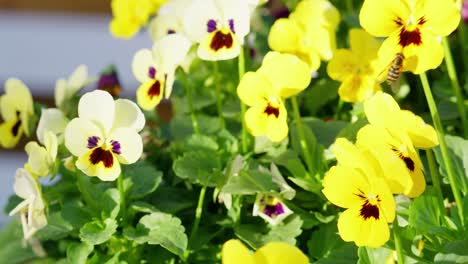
(155, 69)
(270, 208)
(31, 209)
(105, 134)
(41, 159)
(66, 89)
(169, 19)
(52, 119)
(219, 26)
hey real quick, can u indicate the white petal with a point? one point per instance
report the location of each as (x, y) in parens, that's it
(162, 25)
(51, 145)
(99, 107)
(128, 114)
(38, 159)
(169, 84)
(77, 80)
(141, 63)
(171, 51)
(197, 15)
(25, 185)
(77, 133)
(239, 12)
(18, 90)
(131, 145)
(52, 119)
(60, 92)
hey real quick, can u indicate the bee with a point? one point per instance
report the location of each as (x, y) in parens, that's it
(394, 71)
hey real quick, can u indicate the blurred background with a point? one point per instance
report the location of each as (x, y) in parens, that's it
(42, 41)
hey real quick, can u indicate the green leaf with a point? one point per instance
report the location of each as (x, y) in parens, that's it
(160, 229)
(324, 241)
(325, 132)
(350, 131)
(199, 167)
(346, 254)
(141, 179)
(315, 149)
(75, 214)
(250, 182)
(319, 95)
(77, 253)
(454, 252)
(374, 255)
(57, 227)
(110, 202)
(201, 142)
(98, 232)
(12, 250)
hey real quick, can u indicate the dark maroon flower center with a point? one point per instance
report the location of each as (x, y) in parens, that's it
(410, 36)
(274, 210)
(16, 127)
(271, 110)
(368, 210)
(221, 40)
(155, 89)
(102, 155)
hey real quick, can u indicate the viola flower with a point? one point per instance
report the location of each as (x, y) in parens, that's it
(356, 68)
(32, 208)
(308, 33)
(413, 27)
(131, 15)
(464, 11)
(270, 208)
(54, 120)
(16, 110)
(355, 183)
(41, 160)
(219, 26)
(234, 252)
(109, 81)
(66, 89)
(169, 19)
(105, 134)
(280, 76)
(382, 110)
(155, 69)
(402, 168)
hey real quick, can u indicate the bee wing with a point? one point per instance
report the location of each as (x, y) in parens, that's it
(382, 76)
(396, 85)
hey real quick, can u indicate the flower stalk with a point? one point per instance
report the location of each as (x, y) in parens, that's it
(123, 202)
(455, 85)
(397, 240)
(241, 69)
(219, 103)
(198, 213)
(435, 178)
(443, 145)
(189, 91)
(302, 138)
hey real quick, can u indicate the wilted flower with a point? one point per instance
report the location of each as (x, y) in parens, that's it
(308, 33)
(16, 109)
(270, 208)
(355, 183)
(413, 27)
(235, 252)
(357, 68)
(155, 69)
(66, 89)
(105, 134)
(219, 26)
(280, 76)
(31, 209)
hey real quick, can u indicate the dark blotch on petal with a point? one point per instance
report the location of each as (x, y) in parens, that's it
(422, 21)
(170, 31)
(274, 210)
(398, 21)
(221, 40)
(368, 210)
(116, 147)
(15, 128)
(270, 110)
(151, 72)
(231, 25)
(410, 37)
(409, 163)
(155, 89)
(211, 26)
(101, 155)
(93, 141)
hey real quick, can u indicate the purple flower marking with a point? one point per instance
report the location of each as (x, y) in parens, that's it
(116, 147)
(231, 25)
(274, 210)
(211, 25)
(93, 141)
(151, 72)
(464, 11)
(170, 31)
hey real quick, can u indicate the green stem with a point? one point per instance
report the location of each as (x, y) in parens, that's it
(435, 179)
(338, 109)
(443, 146)
(350, 6)
(302, 138)
(455, 85)
(84, 189)
(123, 201)
(190, 104)
(198, 213)
(241, 68)
(461, 37)
(396, 238)
(219, 103)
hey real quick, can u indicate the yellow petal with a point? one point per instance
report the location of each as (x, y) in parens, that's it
(277, 127)
(442, 17)
(235, 252)
(253, 88)
(378, 16)
(286, 73)
(256, 120)
(219, 45)
(123, 28)
(279, 253)
(285, 36)
(370, 232)
(342, 64)
(380, 109)
(149, 94)
(10, 133)
(363, 45)
(357, 88)
(427, 56)
(422, 135)
(104, 171)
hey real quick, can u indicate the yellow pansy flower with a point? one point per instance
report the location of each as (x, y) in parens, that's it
(357, 67)
(32, 208)
(355, 183)
(280, 76)
(131, 15)
(413, 27)
(382, 110)
(16, 109)
(309, 32)
(41, 160)
(105, 134)
(235, 252)
(219, 26)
